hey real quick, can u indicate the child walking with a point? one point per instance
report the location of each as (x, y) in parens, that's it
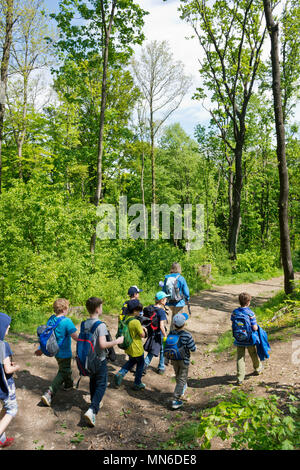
(136, 349)
(247, 343)
(63, 332)
(181, 367)
(98, 380)
(154, 343)
(7, 384)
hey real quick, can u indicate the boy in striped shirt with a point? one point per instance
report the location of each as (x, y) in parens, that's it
(181, 367)
(244, 300)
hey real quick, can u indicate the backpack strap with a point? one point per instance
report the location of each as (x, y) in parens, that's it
(93, 327)
(57, 322)
(129, 320)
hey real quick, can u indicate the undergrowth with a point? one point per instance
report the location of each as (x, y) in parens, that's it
(247, 422)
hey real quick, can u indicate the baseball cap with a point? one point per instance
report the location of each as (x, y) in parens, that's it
(134, 290)
(134, 304)
(180, 318)
(161, 295)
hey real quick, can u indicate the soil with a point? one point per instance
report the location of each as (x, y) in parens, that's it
(140, 420)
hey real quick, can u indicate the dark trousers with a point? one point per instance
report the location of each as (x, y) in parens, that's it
(98, 385)
(139, 361)
(64, 375)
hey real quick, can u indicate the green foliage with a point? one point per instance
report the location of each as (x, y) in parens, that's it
(253, 423)
(256, 262)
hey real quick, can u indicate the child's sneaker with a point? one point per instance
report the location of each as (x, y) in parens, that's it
(177, 404)
(8, 442)
(141, 386)
(118, 379)
(47, 398)
(90, 417)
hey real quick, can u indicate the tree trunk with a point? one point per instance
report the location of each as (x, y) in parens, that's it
(4, 72)
(234, 228)
(285, 246)
(152, 157)
(143, 194)
(107, 31)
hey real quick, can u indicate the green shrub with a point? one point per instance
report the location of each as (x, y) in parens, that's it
(249, 422)
(256, 262)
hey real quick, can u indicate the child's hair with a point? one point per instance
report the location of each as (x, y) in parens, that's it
(175, 268)
(92, 303)
(60, 305)
(244, 298)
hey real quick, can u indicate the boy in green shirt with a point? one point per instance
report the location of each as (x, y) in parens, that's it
(136, 349)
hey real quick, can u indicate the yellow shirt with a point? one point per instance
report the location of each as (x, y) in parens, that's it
(136, 348)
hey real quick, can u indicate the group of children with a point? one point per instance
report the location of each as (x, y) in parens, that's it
(132, 312)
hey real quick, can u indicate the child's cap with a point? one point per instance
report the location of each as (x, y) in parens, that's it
(134, 304)
(5, 321)
(160, 295)
(134, 290)
(180, 319)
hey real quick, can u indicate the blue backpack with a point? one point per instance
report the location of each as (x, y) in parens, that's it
(86, 357)
(172, 348)
(241, 328)
(47, 339)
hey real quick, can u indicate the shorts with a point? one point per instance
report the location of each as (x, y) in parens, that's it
(10, 403)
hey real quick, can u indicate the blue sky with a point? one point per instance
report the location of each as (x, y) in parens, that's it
(163, 23)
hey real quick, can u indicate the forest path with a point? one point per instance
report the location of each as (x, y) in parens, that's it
(139, 420)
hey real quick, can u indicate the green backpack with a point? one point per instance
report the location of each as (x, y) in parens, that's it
(123, 330)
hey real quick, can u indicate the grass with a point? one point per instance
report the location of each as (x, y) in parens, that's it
(245, 277)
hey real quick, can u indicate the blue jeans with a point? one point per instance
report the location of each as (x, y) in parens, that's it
(139, 361)
(150, 356)
(98, 384)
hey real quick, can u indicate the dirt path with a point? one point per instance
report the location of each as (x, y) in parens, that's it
(140, 420)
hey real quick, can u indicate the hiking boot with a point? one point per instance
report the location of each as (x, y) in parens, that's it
(239, 383)
(141, 386)
(257, 371)
(160, 371)
(8, 442)
(118, 379)
(177, 404)
(90, 417)
(47, 398)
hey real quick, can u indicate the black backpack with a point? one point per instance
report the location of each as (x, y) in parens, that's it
(150, 319)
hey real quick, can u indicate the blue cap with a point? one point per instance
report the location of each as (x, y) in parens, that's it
(161, 295)
(134, 305)
(134, 290)
(180, 319)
